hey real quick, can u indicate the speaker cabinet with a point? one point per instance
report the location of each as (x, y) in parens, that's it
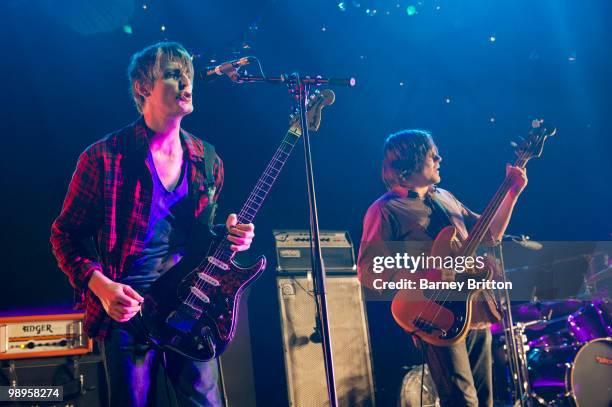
(82, 377)
(303, 355)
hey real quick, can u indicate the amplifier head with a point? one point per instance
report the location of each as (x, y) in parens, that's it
(292, 249)
(33, 336)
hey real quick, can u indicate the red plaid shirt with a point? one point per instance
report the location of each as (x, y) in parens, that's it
(109, 199)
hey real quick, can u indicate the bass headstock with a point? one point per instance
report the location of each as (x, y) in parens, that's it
(533, 145)
(316, 102)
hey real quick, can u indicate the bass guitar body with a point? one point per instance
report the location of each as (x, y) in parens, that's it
(440, 317)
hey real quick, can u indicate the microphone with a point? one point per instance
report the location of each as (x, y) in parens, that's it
(315, 336)
(226, 68)
(525, 242)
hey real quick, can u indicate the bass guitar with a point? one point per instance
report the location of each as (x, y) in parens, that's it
(442, 317)
(192, 308)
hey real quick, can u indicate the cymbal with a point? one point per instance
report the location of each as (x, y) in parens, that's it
(542, 310)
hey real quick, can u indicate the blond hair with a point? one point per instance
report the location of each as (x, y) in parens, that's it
(146, 66)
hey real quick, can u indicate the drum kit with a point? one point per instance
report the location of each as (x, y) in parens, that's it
(562, 349)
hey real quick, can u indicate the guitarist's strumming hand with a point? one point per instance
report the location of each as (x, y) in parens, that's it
(240, 234)
(120, 301)
(518, 176)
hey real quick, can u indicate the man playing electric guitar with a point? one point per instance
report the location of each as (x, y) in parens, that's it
(141, 192)
(414, 209)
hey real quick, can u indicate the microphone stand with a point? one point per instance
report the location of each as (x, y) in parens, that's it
(318, 268)
(299, 86)
(515, 349)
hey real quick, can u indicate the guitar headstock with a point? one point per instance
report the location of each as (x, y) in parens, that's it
(533, 145)
(316, 102)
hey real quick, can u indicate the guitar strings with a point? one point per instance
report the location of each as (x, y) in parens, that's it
(439, 292)
(499, 197)
(485, 218)
(487, 213)
(243, 216)
(270, 166)
(222, 251)
(222, 248)
(312, 103)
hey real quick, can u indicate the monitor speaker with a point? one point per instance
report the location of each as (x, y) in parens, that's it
(303, 355)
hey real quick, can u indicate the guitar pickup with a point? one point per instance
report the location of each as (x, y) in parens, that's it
(218, 263)
(208, 279)
(203, 297)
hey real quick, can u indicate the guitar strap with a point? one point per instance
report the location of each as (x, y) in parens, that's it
(208, 214)
(440, 217)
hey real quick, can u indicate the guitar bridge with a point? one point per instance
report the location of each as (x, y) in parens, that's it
(427, 326)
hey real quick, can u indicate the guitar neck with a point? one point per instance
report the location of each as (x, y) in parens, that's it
(483, 225)
(264, 184)
(317, 101)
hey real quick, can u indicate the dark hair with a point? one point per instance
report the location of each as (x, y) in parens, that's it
(145, 66)
(404, 152)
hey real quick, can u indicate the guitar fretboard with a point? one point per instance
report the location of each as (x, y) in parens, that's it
(264, 184)
(483, 225)
(262, 188)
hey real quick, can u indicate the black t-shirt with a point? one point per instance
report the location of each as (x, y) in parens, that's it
(167, 233)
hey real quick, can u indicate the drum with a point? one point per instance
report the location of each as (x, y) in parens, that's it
(591, 322)
(573, 375)
(550, 333)
(410, 393)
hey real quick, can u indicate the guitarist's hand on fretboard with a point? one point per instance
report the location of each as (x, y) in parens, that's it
(518, 176)
(241, 234)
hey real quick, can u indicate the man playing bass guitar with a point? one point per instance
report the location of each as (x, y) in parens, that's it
(414, 209)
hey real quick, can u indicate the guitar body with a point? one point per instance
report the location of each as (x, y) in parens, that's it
(172, 326)
(439, 317)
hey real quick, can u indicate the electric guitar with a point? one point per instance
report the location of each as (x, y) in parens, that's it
(193, 307)
(443, 317)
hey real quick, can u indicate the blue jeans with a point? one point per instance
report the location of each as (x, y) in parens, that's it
(132, 369)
